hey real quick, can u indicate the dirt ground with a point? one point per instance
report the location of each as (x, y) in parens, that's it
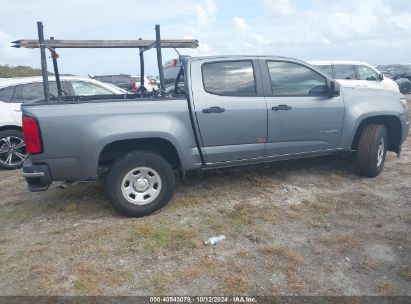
(306, 227)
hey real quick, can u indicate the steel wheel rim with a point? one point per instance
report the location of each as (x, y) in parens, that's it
(141, 185)
(380, 153)
(12, 151)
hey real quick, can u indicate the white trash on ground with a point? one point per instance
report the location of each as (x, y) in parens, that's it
(215, 240)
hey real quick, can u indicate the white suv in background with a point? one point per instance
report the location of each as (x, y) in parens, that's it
(15, 91)
(356, 74)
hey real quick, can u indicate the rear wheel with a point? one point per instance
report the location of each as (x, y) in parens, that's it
(12, 149)
(371, 151)
(140, 183)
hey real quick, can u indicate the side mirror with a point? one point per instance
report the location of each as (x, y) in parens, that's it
(333, 89)
(380, 77)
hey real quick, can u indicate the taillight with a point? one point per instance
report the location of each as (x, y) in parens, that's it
(31, 134)
(174, 62)
(135, 86)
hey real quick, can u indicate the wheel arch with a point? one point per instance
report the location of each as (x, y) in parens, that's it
(394, 130)
(158, 145)
(11, 127)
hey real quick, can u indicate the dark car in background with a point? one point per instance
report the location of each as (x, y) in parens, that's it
(401, 73)
(123, 81)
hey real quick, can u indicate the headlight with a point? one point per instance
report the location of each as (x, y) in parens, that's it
(404, 102)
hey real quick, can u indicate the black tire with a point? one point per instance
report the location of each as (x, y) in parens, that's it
(123, 166)
(367, 161)
(17, 162)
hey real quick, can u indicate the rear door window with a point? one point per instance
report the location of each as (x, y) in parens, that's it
(229, 78)
(33, 92)
(7, 93)
(344, 71)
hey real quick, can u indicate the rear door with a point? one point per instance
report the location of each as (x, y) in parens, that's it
(230, 109)
(302, 118)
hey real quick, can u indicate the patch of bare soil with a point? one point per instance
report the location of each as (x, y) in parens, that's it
(306, 227)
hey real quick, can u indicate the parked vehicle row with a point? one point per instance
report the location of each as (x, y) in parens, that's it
(231, 111)
(127, 82)
(26, 90)
(401, 73)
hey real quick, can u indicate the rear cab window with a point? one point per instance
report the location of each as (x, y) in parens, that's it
(229, 78)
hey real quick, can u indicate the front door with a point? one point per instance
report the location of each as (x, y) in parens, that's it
(302, 118)
(230, 108)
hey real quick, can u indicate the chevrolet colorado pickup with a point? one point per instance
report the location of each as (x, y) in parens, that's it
(231, 111)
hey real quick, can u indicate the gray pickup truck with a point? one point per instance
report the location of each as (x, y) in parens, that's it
(231, 111)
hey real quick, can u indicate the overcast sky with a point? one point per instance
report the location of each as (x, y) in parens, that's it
(375, 31)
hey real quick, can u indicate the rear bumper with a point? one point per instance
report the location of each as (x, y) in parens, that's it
(38, 177)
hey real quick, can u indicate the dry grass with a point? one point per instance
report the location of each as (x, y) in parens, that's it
(387, 289)
(406, 273)
(93, 278)
(234, 284)
(339, 243)
(160, 282)
(291, 256)
(367, 265)
(243, 214)
(156, 239)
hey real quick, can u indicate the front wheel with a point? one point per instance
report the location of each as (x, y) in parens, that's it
(140, 183)
(12, 149)
(371, 151)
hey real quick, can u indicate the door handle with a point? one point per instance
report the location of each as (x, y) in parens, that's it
(281, 108)
(214, 110)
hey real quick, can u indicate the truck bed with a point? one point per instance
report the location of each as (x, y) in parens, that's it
(71, 130)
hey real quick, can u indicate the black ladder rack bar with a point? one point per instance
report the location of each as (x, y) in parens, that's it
(159, 60)
(44, 71)
(141, 67)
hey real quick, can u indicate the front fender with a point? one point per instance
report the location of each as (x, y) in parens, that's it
(362, 104)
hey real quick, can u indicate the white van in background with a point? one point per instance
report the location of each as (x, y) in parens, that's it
(356, 74)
